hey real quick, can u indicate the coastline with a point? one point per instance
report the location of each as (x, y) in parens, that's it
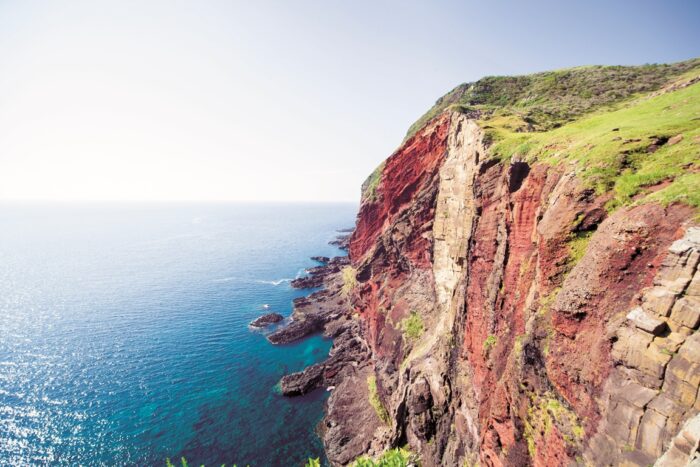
(345, 372)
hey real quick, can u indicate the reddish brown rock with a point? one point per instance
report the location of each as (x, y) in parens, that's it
(493, 340)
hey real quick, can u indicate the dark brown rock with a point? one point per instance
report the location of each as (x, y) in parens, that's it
(266, 320)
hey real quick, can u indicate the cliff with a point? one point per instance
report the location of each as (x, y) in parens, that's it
(523, 284)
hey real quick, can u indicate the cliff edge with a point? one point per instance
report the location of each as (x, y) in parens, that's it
(523, 286)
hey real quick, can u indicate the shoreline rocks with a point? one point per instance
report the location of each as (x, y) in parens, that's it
(266, 320)
(341, 241)
(347, 350)
(311, 314)
(349, 422)
(318, 274)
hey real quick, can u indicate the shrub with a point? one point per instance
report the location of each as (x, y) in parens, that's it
(398, 457)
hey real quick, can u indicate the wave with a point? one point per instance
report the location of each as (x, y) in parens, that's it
(256, 281)
(225, 279)
(275, 283)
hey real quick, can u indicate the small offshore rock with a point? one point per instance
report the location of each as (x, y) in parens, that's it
(266, 320)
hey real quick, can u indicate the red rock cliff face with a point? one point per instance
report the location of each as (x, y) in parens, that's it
(492, 341)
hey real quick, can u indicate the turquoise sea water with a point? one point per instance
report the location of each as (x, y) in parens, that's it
(124, 332)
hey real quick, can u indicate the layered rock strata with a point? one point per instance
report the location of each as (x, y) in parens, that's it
(494, 312)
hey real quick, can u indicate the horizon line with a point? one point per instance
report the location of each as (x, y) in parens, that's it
(136, 201)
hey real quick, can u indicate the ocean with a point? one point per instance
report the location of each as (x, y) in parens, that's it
(124, 335)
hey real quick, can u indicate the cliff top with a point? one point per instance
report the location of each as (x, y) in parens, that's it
(550, 99)
(631, 131)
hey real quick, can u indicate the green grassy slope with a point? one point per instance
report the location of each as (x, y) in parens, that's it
(642, 143)
(632, 132)
(546, 100)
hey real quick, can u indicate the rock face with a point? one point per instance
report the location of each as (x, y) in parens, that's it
(510, 308)
(654, 386)
(472, 331)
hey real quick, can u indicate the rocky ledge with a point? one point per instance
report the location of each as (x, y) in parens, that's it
(315, 312)
(348, 349)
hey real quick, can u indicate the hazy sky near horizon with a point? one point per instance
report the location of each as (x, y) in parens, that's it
(291, 101)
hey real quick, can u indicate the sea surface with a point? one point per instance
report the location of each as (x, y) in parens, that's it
(124, 335)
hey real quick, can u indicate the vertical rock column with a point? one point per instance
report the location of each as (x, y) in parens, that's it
(654, 387)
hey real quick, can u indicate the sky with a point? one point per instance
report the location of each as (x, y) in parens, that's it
(271, 101)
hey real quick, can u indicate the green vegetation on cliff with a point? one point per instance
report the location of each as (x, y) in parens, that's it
(398, 457)
(349, 280)
(375, 401)
(632, 132)
(412, 326)
(369, 186)
(651, 140)
(543, 101)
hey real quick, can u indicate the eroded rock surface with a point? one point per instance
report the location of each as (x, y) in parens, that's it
(653, 388)
(498, 314)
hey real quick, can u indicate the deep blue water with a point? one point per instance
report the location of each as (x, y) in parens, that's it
(124, 333)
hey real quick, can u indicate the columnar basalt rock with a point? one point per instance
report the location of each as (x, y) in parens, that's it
(654, 387)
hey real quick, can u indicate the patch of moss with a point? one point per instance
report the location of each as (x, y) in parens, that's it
(547, 301)
(578, 244)
(545, 412)
(518, 346)
(369, 186)
(412, 326)
(375, 401)
(489, 343)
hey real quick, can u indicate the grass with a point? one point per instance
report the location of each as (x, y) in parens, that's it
(412, 326)
(489, 343)
(398, 457)
(375, 401)
(349, 280)
(369, 186)
(611, 150)
(577, 246)
(543, 101)
(599, 120)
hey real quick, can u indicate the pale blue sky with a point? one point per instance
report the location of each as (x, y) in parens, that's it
(210, 100)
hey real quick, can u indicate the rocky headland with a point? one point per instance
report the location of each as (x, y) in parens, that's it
(522, 285)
